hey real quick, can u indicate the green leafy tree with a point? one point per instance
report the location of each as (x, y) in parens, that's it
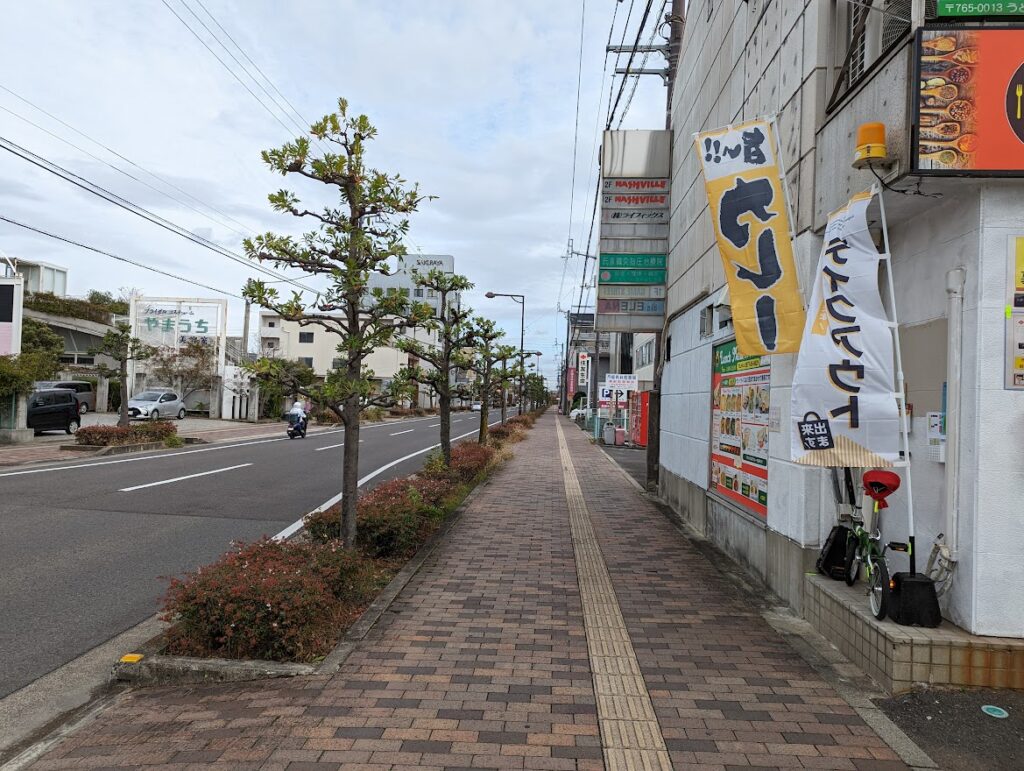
(454, 336)
(279, 378)
(506, 376)
(358, 233)
(46, 345)
(119, 345)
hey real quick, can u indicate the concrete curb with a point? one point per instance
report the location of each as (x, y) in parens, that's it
(156, 668)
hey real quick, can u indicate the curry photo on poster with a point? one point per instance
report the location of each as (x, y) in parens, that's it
(970, 106)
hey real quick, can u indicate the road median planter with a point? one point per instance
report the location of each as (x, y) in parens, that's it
(299, 607)
(99, 450)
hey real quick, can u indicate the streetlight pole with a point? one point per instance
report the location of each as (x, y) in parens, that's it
(521, 299)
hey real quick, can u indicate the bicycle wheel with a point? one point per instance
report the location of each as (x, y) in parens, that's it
(879, 595)
(851, 564)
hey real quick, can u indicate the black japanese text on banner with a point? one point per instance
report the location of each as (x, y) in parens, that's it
(743, 178)
(844, 410)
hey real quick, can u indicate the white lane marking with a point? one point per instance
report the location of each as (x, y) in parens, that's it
(435, 425)
(407, 431)
(160, 457)
(332, 446)
(297, 525)
(180, 479)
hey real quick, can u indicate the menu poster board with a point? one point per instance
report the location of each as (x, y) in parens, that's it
(739, 427)
(970, 102)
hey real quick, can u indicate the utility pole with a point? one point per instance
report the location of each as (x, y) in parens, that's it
(245, 329)
(677, 22)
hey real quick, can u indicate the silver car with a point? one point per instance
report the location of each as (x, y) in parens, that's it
(156, 404)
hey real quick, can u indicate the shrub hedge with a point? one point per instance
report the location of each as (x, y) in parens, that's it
(275, 600)
(137, 433)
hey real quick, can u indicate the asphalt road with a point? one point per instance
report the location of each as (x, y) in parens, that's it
(85, 546)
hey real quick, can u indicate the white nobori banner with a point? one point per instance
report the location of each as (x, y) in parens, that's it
(844, 408)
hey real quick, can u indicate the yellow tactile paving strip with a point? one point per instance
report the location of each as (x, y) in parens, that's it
(630, 735)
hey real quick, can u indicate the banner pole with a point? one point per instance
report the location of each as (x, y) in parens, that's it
(900, 386)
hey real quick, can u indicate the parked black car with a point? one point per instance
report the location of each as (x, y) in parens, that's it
(54, 408)
(84, 392)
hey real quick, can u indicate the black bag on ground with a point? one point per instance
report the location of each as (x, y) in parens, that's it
(913, 601)
(832, 560)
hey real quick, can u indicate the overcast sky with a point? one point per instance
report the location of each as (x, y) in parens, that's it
(473, 99)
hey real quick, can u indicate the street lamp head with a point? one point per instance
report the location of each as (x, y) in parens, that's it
(490, 295)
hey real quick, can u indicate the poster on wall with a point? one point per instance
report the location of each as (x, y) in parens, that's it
(739, 427)
(743, 175)
(970, 102)
(844, 410)
(1015, 316)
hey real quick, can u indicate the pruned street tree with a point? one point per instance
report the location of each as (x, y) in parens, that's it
(450, 354)
(486, 355)
(119, 345)
(358, 232)
(189, 369)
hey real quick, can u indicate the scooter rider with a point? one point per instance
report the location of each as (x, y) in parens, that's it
(299, 409)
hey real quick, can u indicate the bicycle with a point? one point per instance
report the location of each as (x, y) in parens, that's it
(864, 547)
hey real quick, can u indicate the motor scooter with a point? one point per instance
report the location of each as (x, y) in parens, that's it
(296, 426)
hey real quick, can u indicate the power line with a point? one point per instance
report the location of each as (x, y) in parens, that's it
(629, 63)
(297, 125)
(130, 162)
(576, 128)
(643, 63)
(274, 115)
(618, 52)
(100, 192)
(254, 64)
(121, 171)
(46, 233)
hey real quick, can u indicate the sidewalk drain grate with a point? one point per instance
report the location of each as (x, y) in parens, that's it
(630, 735)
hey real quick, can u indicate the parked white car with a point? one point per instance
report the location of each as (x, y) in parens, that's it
(574, 414)
(156, 404)
(477, 406)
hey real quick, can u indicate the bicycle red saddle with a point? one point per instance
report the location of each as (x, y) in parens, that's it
(879, 485)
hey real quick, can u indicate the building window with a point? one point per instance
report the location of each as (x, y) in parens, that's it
(668, 347)
(86, 360)
(707, 321)
(306, 360)
(270, 345)
(863, 35)
(337, 363)
(271, 324)
(305, 337)
(431, 294)
(419, 291)
(404, 292)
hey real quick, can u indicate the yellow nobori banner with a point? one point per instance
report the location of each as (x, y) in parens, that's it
(743, 177)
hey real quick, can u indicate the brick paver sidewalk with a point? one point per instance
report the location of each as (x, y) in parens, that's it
(489, 658)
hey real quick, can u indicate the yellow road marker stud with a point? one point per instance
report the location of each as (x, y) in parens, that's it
(132, 658)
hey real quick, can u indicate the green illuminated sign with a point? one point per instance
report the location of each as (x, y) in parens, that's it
(631, 276)
(633, 260)
(993, 8)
